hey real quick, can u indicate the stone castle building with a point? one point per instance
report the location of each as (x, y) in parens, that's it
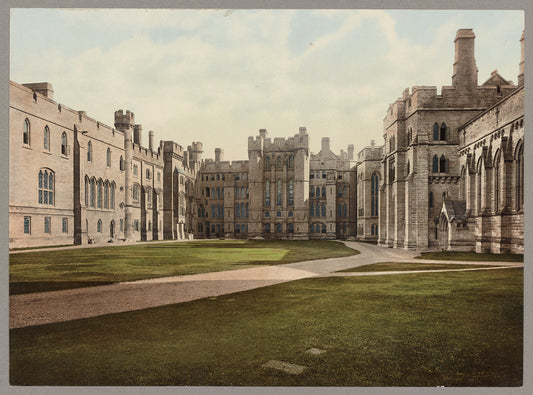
(86, 182)
(281, 191)
(368, 184)
(74, 180)
(449, 175)
(431, 143)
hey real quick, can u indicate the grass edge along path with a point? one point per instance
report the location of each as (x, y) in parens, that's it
(74, 268)
(407, 266)
(470, 256)
(433, 329)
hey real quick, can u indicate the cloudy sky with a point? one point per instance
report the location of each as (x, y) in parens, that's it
(218, 76)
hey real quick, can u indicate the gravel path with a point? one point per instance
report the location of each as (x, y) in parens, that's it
(57, 306)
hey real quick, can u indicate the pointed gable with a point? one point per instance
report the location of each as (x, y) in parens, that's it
(496, 79)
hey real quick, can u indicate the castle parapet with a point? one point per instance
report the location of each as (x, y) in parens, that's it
(124, 120)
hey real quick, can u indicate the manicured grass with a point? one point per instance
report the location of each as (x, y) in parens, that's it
(72, 268)
(40, 247)
(431, 329)
(395, 266)
(471, 256)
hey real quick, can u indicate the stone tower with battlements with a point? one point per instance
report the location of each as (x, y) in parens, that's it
(125, 123)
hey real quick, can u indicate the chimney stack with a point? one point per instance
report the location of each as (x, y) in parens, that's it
(137, 135)
(350, 151)
(464, 68)
(325, 144)
(151, 140)
(219, 154)
(262, 133)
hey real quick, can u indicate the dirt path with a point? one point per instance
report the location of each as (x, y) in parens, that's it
(57, 306)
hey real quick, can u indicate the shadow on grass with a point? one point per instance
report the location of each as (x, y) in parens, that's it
(435, 329)
(19, 288)
(471, 256)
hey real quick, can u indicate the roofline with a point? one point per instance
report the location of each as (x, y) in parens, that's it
(518, 89)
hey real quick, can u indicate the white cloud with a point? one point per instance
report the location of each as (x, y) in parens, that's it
(200, 75)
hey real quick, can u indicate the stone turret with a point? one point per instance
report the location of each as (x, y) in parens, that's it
(196, 151)
(124, 122)
(464, 68)
(522, 45)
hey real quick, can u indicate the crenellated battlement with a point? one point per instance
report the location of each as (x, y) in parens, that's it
(371, 152)
(145, 153)
(236, 166)
(261, 143)
(124, 120)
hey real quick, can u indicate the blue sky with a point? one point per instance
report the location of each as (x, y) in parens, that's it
(218, 76)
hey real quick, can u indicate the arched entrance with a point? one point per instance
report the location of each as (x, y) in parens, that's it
(112, 229)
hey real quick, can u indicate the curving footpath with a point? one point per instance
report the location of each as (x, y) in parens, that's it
(66, 305)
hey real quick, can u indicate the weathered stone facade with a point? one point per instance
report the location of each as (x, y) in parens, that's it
(421, 166)
(74, 180)
(449, 175)
(368, 183)
(491, 185)
(281, 192)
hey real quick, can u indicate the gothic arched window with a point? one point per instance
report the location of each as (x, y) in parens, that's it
(64, 149)
(519, 177)
(436, 132)
(374, 195)
(435, 165)
(291, 193)
(443, 132)
(26, 132)
(46, 138)
(46, 186)
(267, 193)
(443, 164)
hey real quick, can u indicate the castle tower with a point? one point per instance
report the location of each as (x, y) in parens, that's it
(124, 123)
(255, 182)
(301, 187)
(521, 75)
(464, 68)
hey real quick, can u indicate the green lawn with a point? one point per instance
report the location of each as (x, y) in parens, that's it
(72, 268)
(431, 329)
(471, 256)
(404, 266)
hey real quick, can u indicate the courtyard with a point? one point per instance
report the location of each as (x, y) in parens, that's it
(380, 317)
